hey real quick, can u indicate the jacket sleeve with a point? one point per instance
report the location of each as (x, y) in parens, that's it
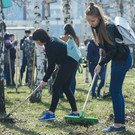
(51, 66)
(90, 57)
(110, 50)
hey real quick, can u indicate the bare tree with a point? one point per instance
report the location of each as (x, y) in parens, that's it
(39, 54)
(66, 11)
(2, 97)
(47, 15)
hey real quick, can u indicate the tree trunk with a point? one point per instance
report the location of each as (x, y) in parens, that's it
(39, 55)
(66, 11)
(2, 97)
(47, 22)
(85, 27)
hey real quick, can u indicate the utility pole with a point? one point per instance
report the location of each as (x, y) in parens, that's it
(2, 96)
(39, 54)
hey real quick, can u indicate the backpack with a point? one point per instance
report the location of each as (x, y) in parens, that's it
(74, 52)
(125, 30)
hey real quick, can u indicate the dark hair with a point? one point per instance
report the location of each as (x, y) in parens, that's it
(86, 41)
(71, 31)
(94, 10)
(28, 31)
(11, 35)
(41, 35)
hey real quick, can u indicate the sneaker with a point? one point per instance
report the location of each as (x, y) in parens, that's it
(73, 114)
(113, 129)
(47, 116)
(94, 97)
(20, 84)
(98, 96)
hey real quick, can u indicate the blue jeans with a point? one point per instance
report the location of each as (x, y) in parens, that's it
(117, 77)
(101, 84)
(6, 67)
(73, 83)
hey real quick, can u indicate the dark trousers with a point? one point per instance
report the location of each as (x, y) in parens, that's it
(101, 84)
(8, 80)
(6, 67)
(72, 85)
(22, 70)
(63, 82)
(117, 77)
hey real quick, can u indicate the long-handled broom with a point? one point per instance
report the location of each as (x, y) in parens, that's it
(80, 119)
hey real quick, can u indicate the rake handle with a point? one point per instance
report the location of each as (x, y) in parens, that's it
(93, 80)
(10, 66)
(90, 89)
(105, 79)
(16, 67)
(22, 102)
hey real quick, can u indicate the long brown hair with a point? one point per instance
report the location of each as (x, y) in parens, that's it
(69, 29)
(94, 10)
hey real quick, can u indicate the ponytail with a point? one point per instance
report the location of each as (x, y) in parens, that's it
(94, 10)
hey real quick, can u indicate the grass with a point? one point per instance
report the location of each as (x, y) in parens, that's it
(27, 114)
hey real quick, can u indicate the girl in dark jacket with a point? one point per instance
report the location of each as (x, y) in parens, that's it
(105, 33)
(56, 51)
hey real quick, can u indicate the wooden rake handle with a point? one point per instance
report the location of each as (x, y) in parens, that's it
(105, 79)
(90, 89)
(10, 66)
(22, 102)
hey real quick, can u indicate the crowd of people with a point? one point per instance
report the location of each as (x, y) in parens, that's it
(27, 46)
(101, 49)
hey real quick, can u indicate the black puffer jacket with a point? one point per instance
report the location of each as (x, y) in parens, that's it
(117, 52)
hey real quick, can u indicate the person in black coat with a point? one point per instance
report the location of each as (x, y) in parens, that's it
(56, 51)
(105, 32)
